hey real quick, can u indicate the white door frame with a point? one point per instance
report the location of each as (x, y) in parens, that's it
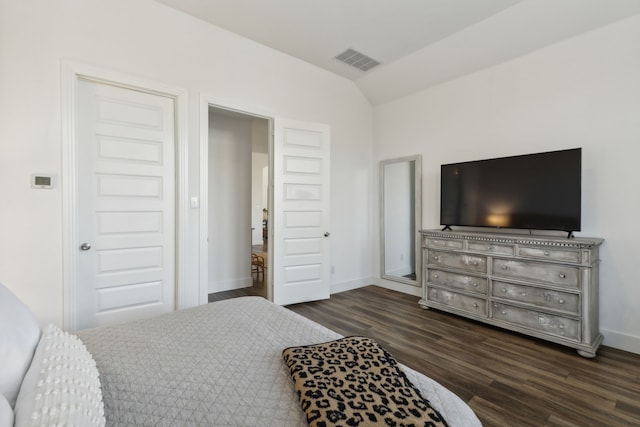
(71, 72)
(207, 101)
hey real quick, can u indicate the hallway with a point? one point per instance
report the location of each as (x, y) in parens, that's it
(259, 282)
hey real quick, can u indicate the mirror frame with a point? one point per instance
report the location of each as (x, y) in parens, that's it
(417, 177)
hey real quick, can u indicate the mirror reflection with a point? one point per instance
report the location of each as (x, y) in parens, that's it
(400, 219)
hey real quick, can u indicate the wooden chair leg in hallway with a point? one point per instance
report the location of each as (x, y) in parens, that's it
(257, 266)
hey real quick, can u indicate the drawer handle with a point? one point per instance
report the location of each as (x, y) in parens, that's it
(475, 305)
(475, 263)
(490, 248)
(524, 294)
(560, 326)
(475, 285)
(435, 276)
(546, 253)
(561, 301)
(562, 275)
(505, 267)
(504, 312)
(504, 290)
(435, 257)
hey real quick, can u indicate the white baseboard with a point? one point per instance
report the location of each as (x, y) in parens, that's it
(351, 284)
(230, 285)
(366, 281)
(397, 286)
(621, 341)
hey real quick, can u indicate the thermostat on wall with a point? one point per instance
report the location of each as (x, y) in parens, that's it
(41, 181)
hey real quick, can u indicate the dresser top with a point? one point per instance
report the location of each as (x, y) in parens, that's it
(522, 239)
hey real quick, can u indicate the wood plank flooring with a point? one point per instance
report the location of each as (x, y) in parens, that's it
(257, 290)
(507, 379)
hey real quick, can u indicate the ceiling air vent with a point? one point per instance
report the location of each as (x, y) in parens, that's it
(357, 60)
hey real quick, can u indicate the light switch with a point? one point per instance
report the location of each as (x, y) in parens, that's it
(195, 203)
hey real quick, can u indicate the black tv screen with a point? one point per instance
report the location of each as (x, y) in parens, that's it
(539, 191)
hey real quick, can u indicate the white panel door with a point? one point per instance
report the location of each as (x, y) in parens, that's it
(301, 178)
(126, 204)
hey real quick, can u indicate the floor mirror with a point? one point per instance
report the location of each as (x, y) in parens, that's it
(400, 219)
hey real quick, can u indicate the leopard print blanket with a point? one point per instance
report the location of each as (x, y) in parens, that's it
(353, 381)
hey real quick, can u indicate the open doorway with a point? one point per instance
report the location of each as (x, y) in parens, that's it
(298, 260)
(238, 204)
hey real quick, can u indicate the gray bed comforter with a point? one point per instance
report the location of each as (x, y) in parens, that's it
(219, 364)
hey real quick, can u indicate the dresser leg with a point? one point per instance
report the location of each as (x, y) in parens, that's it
(422, 303)
(587, 354)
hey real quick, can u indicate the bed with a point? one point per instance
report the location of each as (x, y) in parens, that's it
(219, 364)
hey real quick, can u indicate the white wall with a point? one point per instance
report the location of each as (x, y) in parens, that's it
(229, 203)
(145, 39)
(584, 92)
(260, 182)
(259, 161)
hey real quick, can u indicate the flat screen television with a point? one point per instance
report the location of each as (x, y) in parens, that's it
(539, 191)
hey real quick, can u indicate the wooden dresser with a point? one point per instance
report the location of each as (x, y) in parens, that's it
(546, 287)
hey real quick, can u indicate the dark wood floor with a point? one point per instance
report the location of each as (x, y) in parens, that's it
(508, 379)
(257, 290)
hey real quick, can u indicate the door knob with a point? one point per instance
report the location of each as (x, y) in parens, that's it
(85, 246)
(327, 234)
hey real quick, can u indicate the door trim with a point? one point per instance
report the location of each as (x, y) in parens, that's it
(207, 101)
(71, 72)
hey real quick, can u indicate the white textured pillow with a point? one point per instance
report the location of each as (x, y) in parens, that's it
(6, 412)
(62, 385)
(19, 335)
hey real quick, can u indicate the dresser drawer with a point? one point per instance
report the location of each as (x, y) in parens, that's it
(547, 323)
(491, 248)
(565, 255)
(458, 281)
(473, 305)
(561, 275)
(475, 263)
(555, 300)
(445, 244)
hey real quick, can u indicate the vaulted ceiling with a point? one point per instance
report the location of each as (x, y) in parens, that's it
(418, 43)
